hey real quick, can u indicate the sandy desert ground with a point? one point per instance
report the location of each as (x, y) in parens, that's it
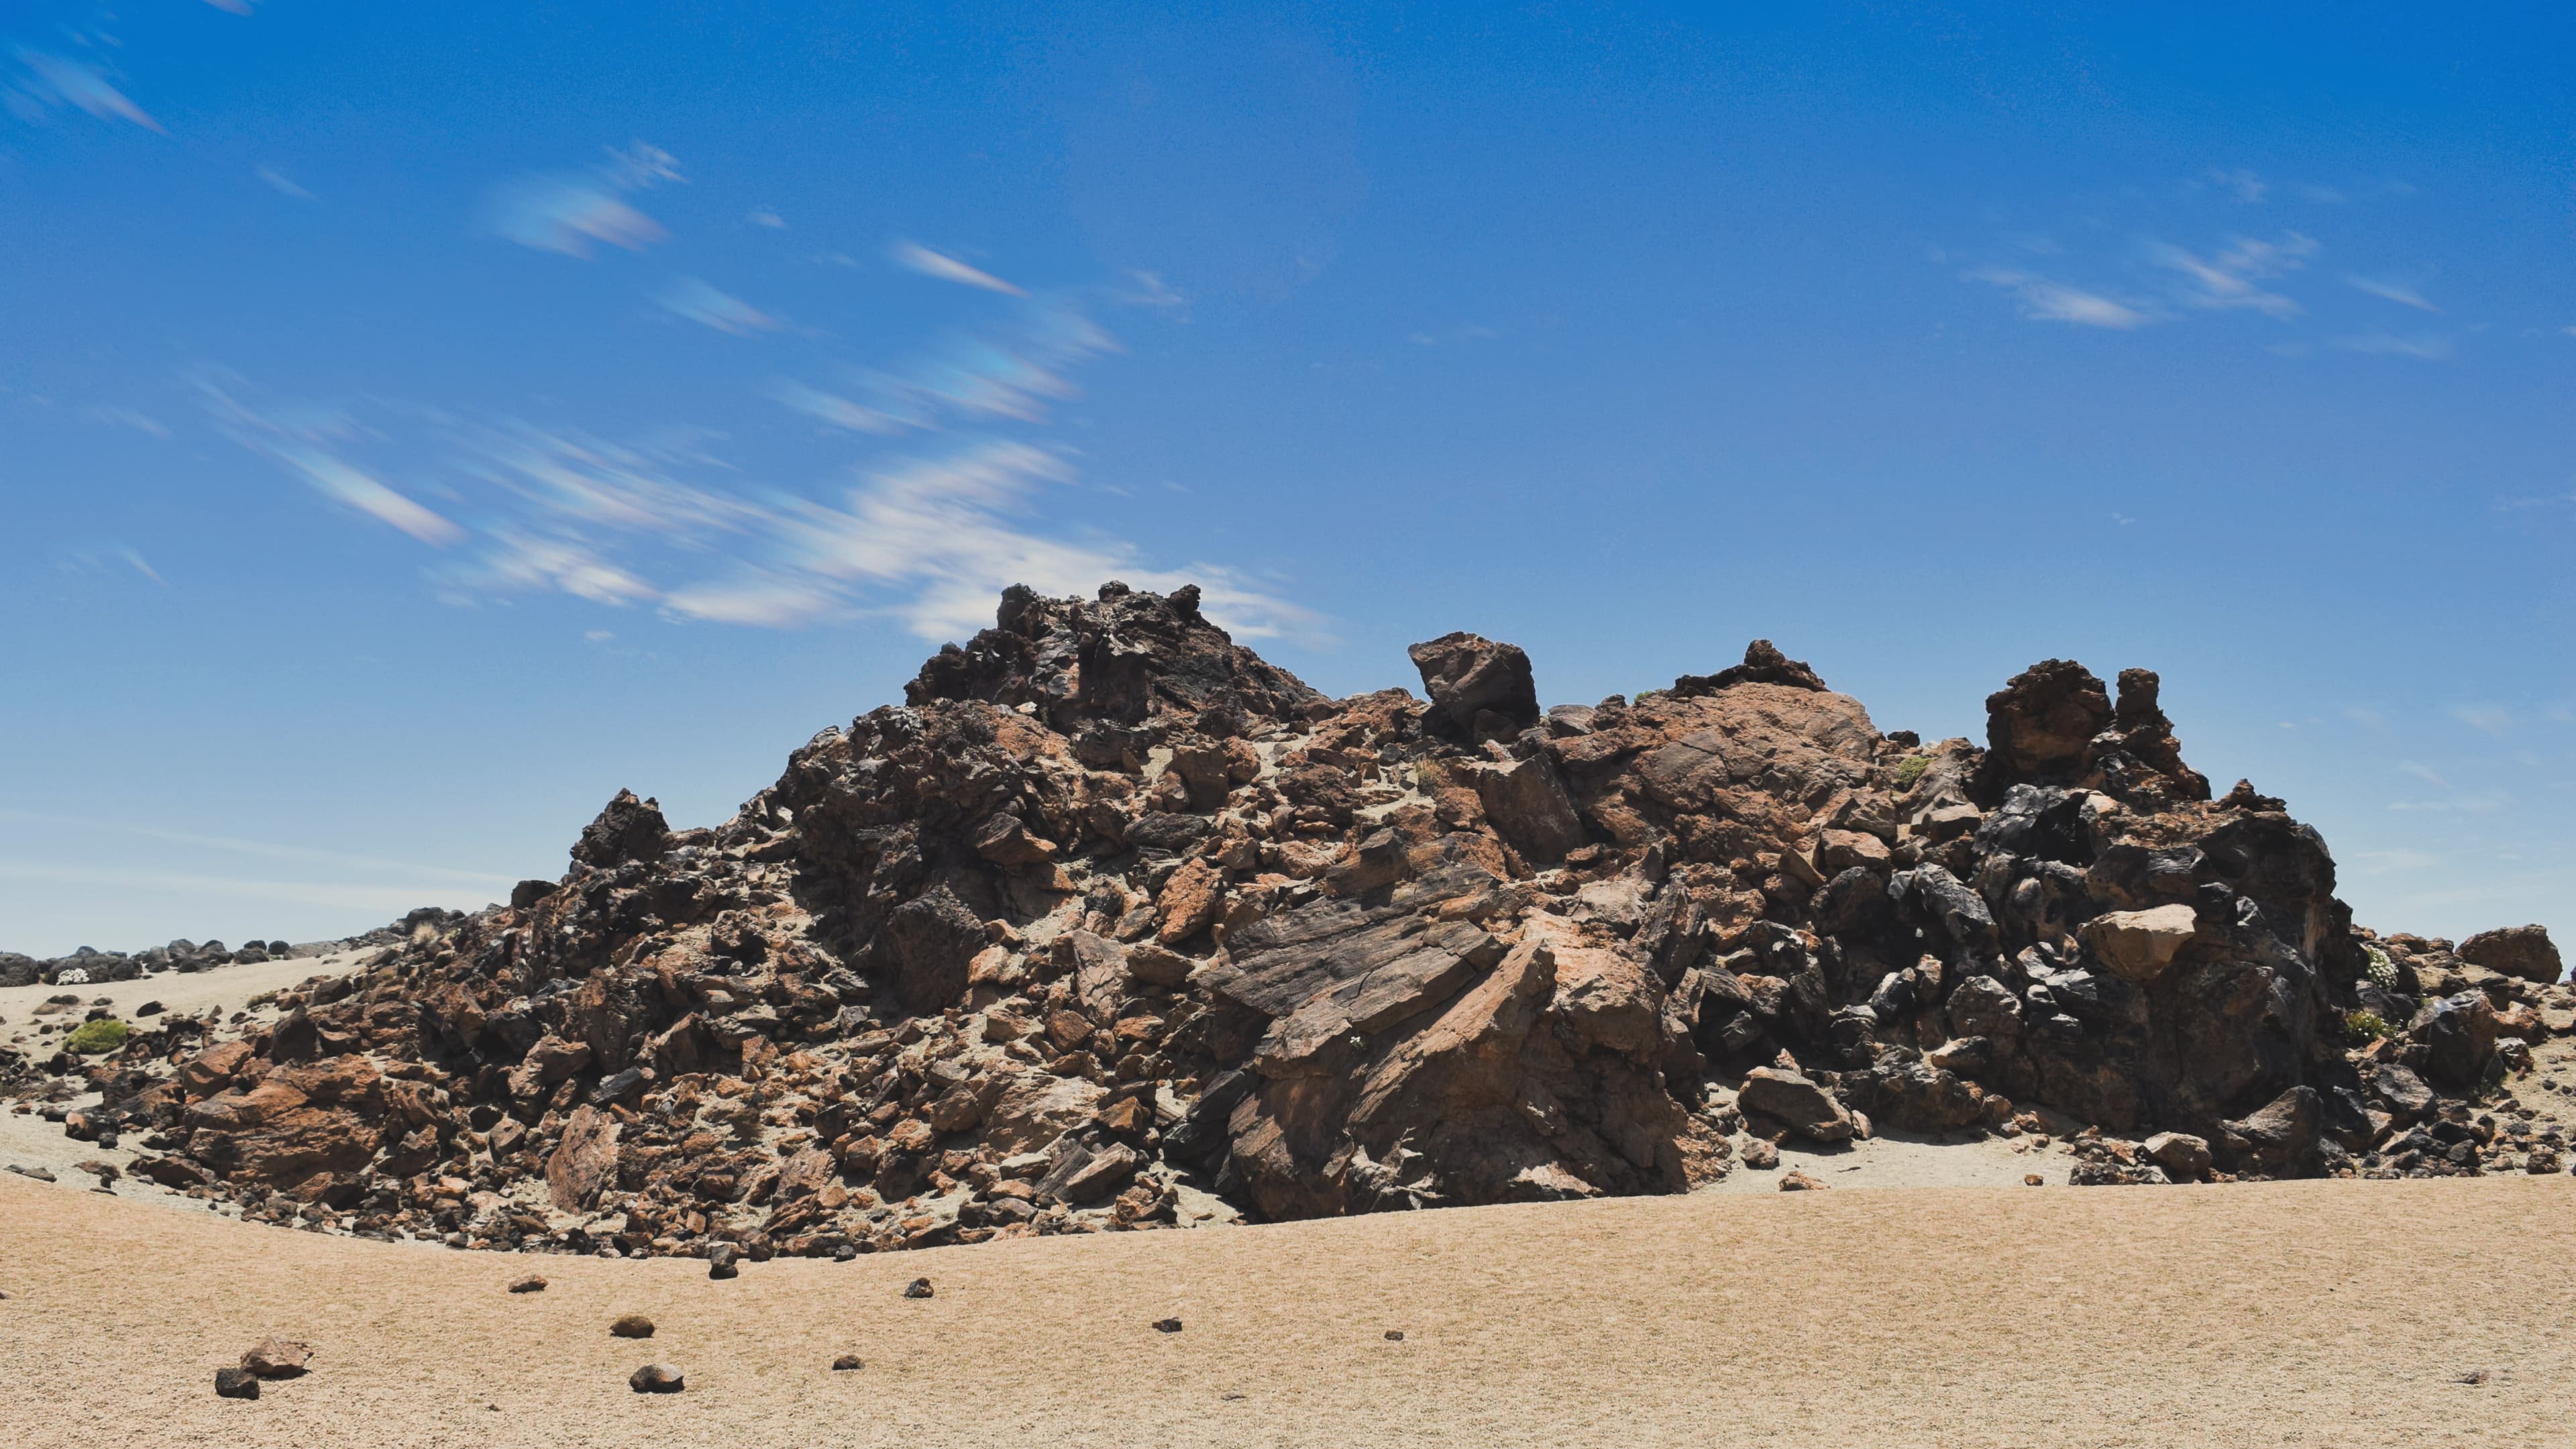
(2317, 1313)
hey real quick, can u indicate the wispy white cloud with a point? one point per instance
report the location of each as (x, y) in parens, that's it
(2397, 292)
(300, 446)
(839, 411)
(517, 561)
(926, 538)
(573, 212)
(912, 256)
(2240, 183)
(2423, 346)
(48, 82)
(281, 185)
(2043, 300)
(1148, 289)
(2228, 279)
(2483, 803)
(2485, 718)
(763, 216)
(368, 495)
(235, 7)
(100, 558)
(119, 416)
(699, 302)
(2424, 773)
(1007, 372)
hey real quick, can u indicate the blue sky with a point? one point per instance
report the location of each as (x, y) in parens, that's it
(419, 422)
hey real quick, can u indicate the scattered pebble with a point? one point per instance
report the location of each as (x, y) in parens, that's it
(2032, 1179)
(633, 1325)
(1395, 1335)
(720, 1261)
(917, 1288)
(532, 1283)
(1796, 1181)
(656, 1378)
(846, 1362)
(1167, 1325)
(38, 1173)
(2473, 1376)
(233, 1383)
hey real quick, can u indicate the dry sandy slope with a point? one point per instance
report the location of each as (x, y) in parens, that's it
(2324, 1313)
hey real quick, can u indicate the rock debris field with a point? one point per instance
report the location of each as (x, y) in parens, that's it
(1113, 926)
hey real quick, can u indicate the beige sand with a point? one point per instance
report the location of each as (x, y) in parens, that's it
(2322, 1313)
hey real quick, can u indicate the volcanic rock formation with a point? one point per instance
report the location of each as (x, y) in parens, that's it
(1113, 924)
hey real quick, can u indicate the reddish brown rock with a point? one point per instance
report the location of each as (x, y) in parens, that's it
(585, 1161)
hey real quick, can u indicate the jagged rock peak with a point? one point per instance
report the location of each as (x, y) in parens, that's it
(1763, 664)
(627, 829)
(1124, 657)
(2054, 724)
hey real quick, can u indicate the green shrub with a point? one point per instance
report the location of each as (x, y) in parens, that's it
(92, 1037)
(2364, 1026)
(2382, 971)
(1910, 770)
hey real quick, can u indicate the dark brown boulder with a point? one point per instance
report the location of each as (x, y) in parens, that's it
(2146, 734)
(585, 1161)
(657, 1378)
(2281, 1139)
(2459, 1036)
(1796, 1103)
(1528, 806)
(628, 829)
(296, 1121)
(2524, 951)
(278, 1358)
(1469, 677)
(934, 936)
(2040, 726)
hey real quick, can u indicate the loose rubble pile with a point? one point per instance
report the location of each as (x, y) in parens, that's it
(1114, 925)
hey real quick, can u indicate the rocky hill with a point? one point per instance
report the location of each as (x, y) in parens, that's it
(1113, 924)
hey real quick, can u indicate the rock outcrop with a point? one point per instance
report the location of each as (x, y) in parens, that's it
(1112, 924)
